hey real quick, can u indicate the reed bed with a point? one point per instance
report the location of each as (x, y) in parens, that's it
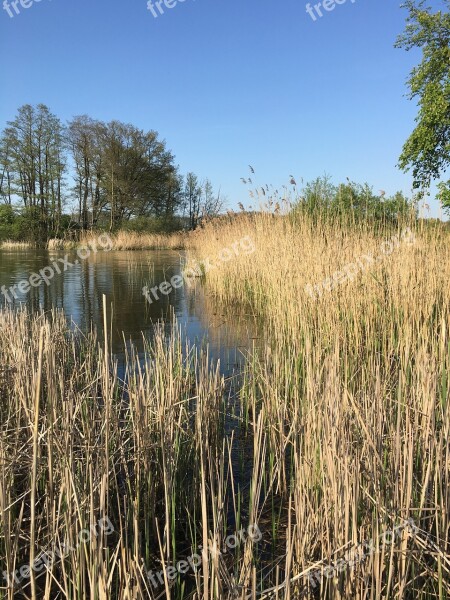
(12, 245)
(127, 240)
(335, 434)
(352, 392)
(79, 446)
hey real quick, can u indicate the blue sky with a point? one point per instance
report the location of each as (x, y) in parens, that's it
(227, 83)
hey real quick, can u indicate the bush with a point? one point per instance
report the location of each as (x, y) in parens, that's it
(26, 225)
(7, 218)
(351, 202)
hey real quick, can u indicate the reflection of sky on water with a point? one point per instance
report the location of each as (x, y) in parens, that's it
(120, 276)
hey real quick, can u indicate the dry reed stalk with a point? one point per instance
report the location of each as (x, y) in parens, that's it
(37, 399)
(12, 245)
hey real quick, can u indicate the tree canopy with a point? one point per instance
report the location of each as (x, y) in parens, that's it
(427, 150)
(111, 174)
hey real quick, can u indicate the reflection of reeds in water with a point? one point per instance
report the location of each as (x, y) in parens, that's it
(139, 269)
(227, 327)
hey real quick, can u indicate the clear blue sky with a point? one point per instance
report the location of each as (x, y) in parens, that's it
(227, 83)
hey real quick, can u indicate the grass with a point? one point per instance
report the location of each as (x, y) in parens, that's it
(128, 240)
(352, 388)
(12, 245)
(106, 449)
(122, 240)
(340, 434)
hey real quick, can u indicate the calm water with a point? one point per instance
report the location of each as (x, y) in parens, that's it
(120, 276)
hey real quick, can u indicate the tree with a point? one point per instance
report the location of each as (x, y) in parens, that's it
(33, 163)
(121, 175)
(84, 136)
(5, 168)
(192, 198)
(427, 151)
(210, 205)
(123, 170)
(140, 177)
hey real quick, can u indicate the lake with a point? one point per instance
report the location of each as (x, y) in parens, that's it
(120, 276)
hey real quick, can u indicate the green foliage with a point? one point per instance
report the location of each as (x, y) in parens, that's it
(444, 194)
(28, 224)
(427, 151)
(7, 218)
(123, 177)
(122, 171)
(25, 224)
(7, 215)
(352, 202)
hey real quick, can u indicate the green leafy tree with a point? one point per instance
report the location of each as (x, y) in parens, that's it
(427, 151)
(122, 177)
(32, 164)
(140, 178)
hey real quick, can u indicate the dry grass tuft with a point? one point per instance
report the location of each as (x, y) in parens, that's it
(12, 245)
(127, 240)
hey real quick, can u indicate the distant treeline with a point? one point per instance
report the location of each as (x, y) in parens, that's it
(113, 173)
(115, 176)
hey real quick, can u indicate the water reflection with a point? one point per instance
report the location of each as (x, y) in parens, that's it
(120, 276)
